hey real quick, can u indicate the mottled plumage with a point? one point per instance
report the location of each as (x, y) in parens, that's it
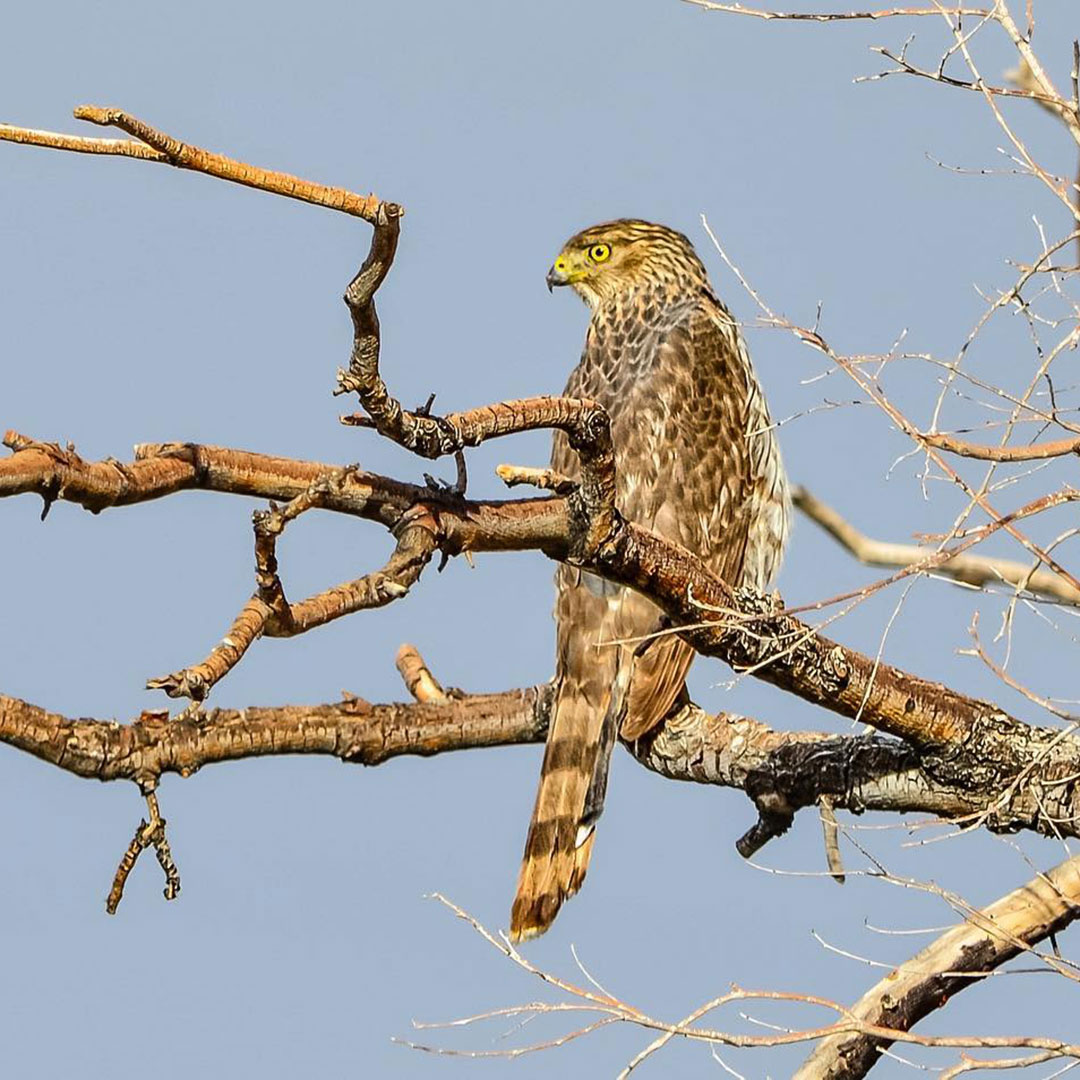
(697, 462)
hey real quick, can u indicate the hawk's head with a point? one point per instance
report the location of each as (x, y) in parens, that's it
(602, 261)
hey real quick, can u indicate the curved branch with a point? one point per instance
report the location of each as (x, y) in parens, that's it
(268, 613)
(160, 469)
(593, 517)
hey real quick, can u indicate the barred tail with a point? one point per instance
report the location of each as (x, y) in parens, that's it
(573, 781)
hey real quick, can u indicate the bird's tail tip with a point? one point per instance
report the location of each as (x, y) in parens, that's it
(531, 915)
(540, 896)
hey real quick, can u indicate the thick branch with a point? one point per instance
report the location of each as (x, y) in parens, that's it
(958, 959)
(745, 630)
(353, 730)
(781, 772)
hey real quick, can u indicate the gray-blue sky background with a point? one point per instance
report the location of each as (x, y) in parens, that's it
(139, 303)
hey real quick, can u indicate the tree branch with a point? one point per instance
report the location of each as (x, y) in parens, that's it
(833, 16)
(269, 613)
(1034, 452)
(154, 145)
(978, 570)
(780, 771)
(971, 743)
(594, 1000)
(961, 957)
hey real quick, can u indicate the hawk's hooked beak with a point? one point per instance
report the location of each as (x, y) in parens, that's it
(559, 274)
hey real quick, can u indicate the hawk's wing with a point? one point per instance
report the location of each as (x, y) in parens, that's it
(688, 472)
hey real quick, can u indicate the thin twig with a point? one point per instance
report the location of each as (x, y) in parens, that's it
(978, 570)
(149, 834)
(832, 16)
(154, 145)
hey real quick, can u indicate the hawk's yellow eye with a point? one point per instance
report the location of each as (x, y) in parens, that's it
(599, 252)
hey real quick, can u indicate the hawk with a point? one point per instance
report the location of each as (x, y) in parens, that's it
(697, 462)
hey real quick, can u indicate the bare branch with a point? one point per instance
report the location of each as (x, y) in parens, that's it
(976, 570)
(959, 958)
(545, 479)
(812, 337)
(848, 1025)
(781, 772)
(149, 834)
(831, 835)
(1035, 452)
(419, 681)
(833, 16)
(1036, 73)
(154, 145)
(1029, 91)
(269, 613)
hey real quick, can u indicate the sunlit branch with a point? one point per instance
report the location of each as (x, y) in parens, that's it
(149, 144)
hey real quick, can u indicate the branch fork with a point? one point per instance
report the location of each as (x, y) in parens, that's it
(149, 834)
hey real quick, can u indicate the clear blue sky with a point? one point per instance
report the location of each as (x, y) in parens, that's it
(139, 303)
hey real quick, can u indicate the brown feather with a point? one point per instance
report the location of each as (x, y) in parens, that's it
(696, 462)
(554, 865)
(658, 683)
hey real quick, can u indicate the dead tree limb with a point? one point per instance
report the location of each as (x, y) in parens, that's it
(781, 772)
(965, 741)
(269, 613)
(149, 144)
(961, 957)
(978, 570)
